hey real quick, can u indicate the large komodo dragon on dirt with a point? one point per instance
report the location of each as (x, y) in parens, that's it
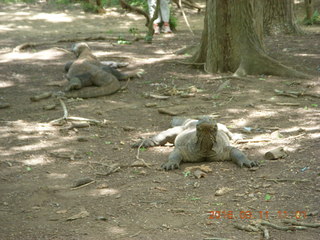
(196, 141)
(89, 77)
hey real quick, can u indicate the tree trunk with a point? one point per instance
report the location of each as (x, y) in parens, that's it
(309, 11)
(232, 40)
(278, 17)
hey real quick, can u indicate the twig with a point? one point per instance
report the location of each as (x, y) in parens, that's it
(247, 228)
(126, 85)
(283, 228)
(216, 238)
(112, 170)
(265, 231)
(231, 77)
(83, 119)
(134, 235)
(185, 18)
(253, 140)
(66, 117)
(28, 45)
(288, 104)
(293, 222)
(84, 185)
(138, 151)
(288, 180)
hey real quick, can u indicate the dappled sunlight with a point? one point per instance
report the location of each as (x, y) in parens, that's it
(6, 84)
(116, 230)
(103, 192)
(307, 55)
(36, 160)
(262, 113)
(52, 17)
(20, 137)
(57, 175)
(163, 150)
(48, 54)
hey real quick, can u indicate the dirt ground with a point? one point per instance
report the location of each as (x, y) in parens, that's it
(41, 163)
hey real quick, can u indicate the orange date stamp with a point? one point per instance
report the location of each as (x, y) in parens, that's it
(256, 215)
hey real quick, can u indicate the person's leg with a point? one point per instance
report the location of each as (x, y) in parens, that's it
(152, 4)
(165, 15)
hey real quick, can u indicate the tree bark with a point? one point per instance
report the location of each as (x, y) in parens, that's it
(309, 10)
(278, 17)
(232, 40)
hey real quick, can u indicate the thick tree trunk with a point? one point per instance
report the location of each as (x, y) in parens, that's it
(278, 17)
(309, 10)
(232, 40)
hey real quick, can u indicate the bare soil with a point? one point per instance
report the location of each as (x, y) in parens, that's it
(41, 163)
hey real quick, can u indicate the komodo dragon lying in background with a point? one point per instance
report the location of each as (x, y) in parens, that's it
(196, 141)
(88, 71)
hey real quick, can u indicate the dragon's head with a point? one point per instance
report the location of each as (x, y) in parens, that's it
(206, 133)
(78, 48)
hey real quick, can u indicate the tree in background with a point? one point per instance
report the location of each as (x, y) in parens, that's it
(232, 40)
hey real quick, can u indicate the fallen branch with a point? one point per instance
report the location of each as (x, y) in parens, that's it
(253, 140)
(216, 238)
(247, 228)
(288, 180)
(294, 222)
(288, 104)
(112, 169)
(265, 231)
(83, 185)
(283, 228)
(189, 3)
(295, 94)
(66, 117)
(185, 17)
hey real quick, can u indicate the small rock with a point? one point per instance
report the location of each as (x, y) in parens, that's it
(82, 139)
(222, 191)
(4, 105)
(128, 128)
(196, 185)
(50, 107)
(149, 105)
(266, 185)
(102, 186)
(251, 195)
(101, 218)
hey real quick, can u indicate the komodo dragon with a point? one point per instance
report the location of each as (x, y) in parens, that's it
(88, 71)
(196, 141)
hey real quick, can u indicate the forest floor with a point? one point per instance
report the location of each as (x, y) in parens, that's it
(41, 163)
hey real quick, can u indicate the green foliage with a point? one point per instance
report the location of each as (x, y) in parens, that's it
(110, 3)
(89, 7)
(267, 197)
(139, 3)
(63, 2)
(315, 19)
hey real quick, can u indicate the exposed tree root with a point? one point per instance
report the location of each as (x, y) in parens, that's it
(263, 64)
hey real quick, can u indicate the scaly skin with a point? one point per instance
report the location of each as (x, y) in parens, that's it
(89, 77)
(197, 141)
